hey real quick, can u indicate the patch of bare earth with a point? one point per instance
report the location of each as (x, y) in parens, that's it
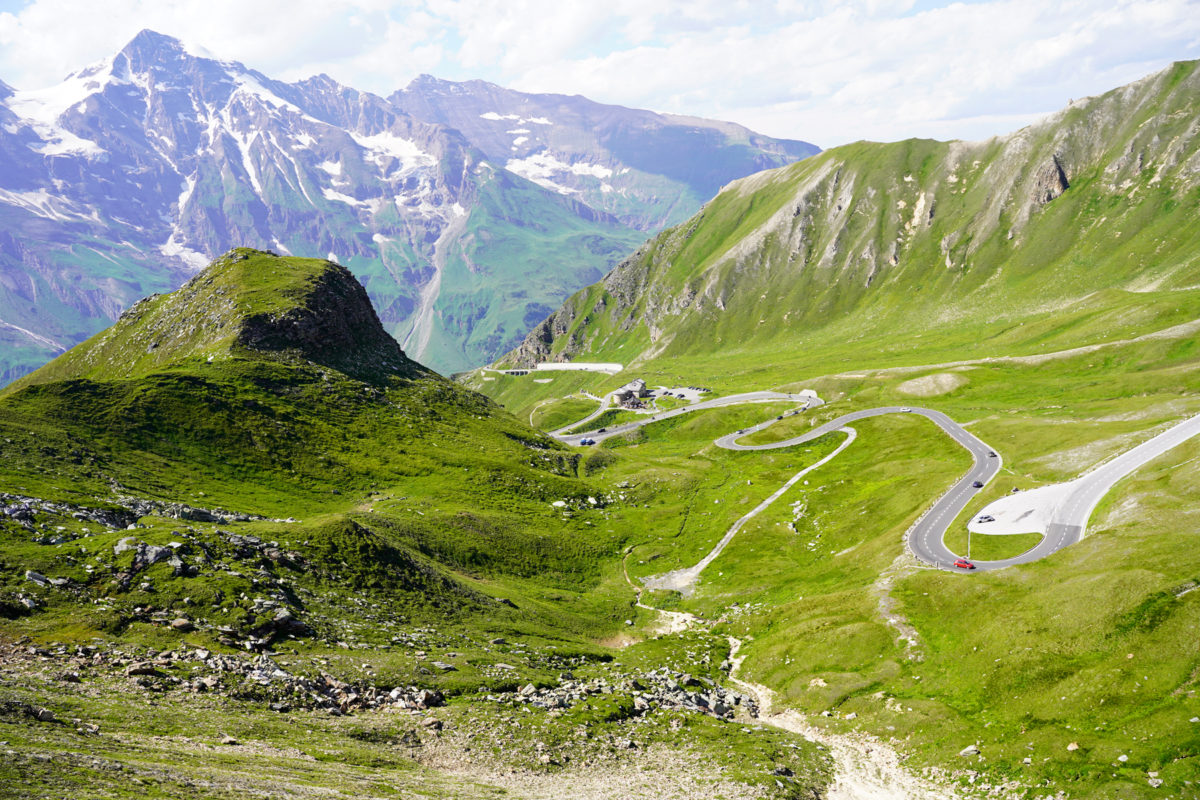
(903, 566)
(865, 768)
(932, 385)
(656, 773)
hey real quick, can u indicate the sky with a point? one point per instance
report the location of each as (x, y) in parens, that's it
(825, 71)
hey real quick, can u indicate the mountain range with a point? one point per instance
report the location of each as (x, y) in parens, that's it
(468, 211)
(249, 546)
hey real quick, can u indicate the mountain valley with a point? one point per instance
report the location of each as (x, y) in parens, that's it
(1038, 288)
(251, 546)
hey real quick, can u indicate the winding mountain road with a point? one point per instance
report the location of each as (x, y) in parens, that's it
(1068, 506)
(925, 539)
(808, 398)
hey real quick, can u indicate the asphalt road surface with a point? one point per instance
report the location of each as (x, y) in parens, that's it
(809, 400)
(925, 539)
(1070, 514)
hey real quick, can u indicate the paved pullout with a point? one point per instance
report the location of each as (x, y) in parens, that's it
(1061, 511)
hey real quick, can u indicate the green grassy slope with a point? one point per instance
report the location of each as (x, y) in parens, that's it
(1057, 322)
(915, 252)
(222, 415)
(275, 479)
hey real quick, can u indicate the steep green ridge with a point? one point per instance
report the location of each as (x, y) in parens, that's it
(1075, 230)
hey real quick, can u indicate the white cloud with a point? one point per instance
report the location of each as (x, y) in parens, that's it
(828, 71)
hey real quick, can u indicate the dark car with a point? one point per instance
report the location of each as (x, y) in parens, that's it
(602, 430)
(587, 441)
(978, 484)
(991, 453)
(962, 563)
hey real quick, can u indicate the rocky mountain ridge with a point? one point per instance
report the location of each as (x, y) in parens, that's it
(644, 168)
(868, 240)
(131, 174)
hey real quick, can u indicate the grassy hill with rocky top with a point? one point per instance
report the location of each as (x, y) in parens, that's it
(241, 525)
(248, 303)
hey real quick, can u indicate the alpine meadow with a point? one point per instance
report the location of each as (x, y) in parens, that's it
(757, 471)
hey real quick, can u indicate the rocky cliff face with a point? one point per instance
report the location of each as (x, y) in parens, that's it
(914, 235)
(133, 173)
(332, 324)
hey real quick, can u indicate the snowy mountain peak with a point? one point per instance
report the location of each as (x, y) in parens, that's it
(151, 47)
(429, 84)
(134, 172)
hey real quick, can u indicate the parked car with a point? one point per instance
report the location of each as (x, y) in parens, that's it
(986, 518)
(962, 563)
(587, 441)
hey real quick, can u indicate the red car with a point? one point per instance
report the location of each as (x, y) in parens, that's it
(962, 563)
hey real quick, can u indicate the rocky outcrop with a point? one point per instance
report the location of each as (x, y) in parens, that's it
(334, 325)
(538, 344)
(1050, 182)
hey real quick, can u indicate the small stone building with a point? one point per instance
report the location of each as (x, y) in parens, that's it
(631, 393)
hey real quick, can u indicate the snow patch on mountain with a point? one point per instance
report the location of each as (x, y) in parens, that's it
(594, 170)
(387, 145)
(331, 194)
(42, 109)
(250, 85)
(492, 115)
(539, 168)
(45, 205)
(35, 337)
(194, 261)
